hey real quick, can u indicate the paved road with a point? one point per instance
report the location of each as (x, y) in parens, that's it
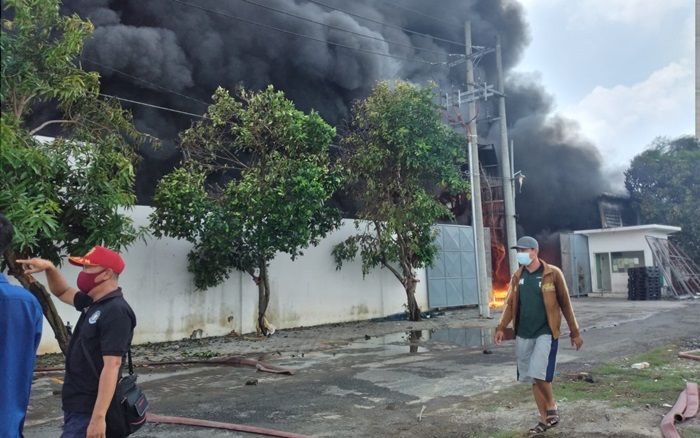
(378, 387)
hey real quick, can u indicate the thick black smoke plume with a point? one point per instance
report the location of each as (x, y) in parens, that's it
(563, 175)
(183, 47)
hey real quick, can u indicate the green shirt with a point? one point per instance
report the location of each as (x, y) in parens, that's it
(532, 320)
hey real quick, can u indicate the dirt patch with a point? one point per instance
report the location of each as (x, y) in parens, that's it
(612, 400)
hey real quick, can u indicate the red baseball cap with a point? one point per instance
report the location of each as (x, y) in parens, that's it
(100, 256)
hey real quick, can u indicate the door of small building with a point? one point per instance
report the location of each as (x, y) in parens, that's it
(602, 267)
(452, 278)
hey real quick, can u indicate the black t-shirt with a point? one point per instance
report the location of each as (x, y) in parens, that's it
(105, 329)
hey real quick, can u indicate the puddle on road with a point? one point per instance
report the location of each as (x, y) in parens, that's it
(470, 337)
(419, 341)
(392, 344)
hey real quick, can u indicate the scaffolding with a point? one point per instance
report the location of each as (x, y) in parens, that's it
(681, 273)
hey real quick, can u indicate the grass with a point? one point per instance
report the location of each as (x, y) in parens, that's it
(506, 434)
(620, 385)
(623, 386)
(615, 385)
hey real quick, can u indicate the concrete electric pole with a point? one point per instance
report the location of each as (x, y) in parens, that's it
(506, 166)
(478, 221)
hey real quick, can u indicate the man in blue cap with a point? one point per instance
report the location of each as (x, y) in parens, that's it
(537, 298)
(21, 322)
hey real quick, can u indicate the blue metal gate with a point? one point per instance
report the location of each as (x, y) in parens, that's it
(452, 278)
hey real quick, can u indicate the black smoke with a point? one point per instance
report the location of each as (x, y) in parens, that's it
(170, 44)
(563, 171)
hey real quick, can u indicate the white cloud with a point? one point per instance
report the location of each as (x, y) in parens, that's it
(623, 119)
(647, 13)
(640, 12)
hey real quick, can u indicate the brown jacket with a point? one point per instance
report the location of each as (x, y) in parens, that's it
(556, 301)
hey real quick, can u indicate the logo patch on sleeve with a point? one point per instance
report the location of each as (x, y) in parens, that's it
(94, 317)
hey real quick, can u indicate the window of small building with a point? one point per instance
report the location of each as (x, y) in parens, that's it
(621, 261)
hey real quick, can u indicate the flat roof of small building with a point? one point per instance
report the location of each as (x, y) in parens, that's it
(668, 229)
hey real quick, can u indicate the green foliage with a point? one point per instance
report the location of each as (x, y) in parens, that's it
(400, 155)
(67, 195)
(256, 181)
(664, 183)
(39, 50)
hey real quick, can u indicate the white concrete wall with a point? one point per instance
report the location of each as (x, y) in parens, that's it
(307, 291)
(618, 241)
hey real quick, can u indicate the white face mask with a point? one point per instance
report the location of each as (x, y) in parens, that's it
(523, 258)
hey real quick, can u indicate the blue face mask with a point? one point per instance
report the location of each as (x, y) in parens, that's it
(523, 258)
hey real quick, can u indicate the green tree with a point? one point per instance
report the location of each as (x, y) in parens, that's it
(255, 181)
(62, 196)
(664, 184)
(400, 155)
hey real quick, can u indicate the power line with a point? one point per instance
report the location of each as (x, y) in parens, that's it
(245, 20)
(400, 6)
(150, 105)
(352, 14)
(146, 82)
(342, 29)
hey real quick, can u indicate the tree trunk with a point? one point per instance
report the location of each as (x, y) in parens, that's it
(413, 339)
(263, 298)
(410, 286)
(39, 291)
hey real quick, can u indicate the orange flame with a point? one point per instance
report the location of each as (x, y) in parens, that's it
(498, 298)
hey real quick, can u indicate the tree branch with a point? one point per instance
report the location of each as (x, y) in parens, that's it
(392, 269)
(47, 123)
(377, 228)
(19, 106)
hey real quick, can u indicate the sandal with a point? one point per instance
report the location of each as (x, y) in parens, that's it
(540, 428)
(552, 418)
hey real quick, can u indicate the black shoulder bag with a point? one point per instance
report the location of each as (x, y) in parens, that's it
(127, 411)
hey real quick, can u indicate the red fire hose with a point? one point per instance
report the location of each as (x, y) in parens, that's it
(231, 361)
(162, 419)
(694, 354)
(686, 407)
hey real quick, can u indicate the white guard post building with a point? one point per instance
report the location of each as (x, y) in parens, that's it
(613, 250)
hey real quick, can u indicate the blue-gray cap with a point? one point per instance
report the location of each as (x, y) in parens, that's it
(526, 242)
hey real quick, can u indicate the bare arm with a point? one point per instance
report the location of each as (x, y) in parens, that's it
(105, 392)
(57, 282)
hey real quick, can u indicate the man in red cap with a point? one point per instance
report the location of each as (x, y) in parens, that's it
(99, 343)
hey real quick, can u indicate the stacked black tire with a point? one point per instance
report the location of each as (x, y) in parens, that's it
(644, 283)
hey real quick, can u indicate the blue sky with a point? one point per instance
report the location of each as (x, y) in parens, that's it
(623, 69)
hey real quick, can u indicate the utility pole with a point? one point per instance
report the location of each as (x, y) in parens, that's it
(506, 166)
(473, 146)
